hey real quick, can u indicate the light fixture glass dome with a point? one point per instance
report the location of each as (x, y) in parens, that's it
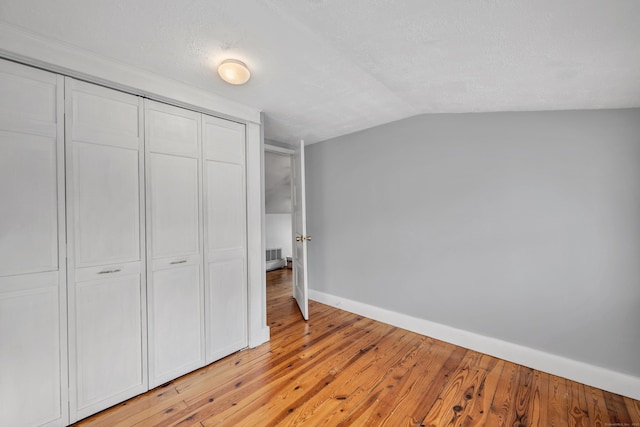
(234, 72)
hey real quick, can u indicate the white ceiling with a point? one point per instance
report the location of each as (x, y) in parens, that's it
(324, 68)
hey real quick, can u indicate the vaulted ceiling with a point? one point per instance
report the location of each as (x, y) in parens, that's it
(324, 68)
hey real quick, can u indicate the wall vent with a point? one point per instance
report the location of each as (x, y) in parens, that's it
(274, 259)
(274, 254)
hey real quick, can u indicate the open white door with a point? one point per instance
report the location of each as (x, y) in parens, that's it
(300, 238)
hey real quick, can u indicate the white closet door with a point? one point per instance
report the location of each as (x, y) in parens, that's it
(225, 235)
(33, 356)
(174, 244)
(107, 293)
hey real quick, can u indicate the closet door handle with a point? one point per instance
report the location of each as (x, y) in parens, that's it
(110, 271)
(182, 261)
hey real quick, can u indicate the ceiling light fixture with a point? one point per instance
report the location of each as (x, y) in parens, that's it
(234, 72)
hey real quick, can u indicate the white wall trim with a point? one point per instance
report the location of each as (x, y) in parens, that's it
(275, 149)
(259, 337)
(258, 330)
(591, 375)
(22, 46)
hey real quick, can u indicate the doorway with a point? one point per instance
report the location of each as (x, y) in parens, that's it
(278, 209)
(285, 197)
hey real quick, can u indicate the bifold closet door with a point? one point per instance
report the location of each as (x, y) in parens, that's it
(33, 356)
(225, 237)
(106, 280)
(175, 282)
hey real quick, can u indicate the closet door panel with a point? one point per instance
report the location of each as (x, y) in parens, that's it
(33, 314)
(225, 248)
(173, 130)
(174, 205)
(176, 291)
(29, 99)
(104, 116)
(30, 350)
(107, 342)
(224, 141)
(177, 338)
(228, 308)
(226, 219)
(106, 204)
(29, 226)
(107, 277)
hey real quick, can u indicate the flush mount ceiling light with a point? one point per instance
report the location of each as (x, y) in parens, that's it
(234, 72)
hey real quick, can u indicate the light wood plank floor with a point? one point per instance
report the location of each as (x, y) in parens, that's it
(340, 369)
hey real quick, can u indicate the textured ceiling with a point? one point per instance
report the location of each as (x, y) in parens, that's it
(324, 68)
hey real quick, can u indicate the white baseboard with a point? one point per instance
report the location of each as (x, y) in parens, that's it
(584, 373)
(259, 337)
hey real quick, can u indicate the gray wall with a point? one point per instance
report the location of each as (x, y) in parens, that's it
(519, 226)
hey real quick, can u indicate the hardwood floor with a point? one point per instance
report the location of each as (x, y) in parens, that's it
(341, 369)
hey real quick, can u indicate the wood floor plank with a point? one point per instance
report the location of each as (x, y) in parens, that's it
(596, 407)
(455, 402)
(227, 378)
(356, 379)
(578, 409)
(342, 369)
(333, 403)
(518, 411)
(288, 391)
(467, 401)
(617, 409)
(224, 370)
(396, 409)
(484, 397)
(302, 358)
(227, 370)
(539, 394)
(383, 390)
(633, 408)
(503, 400)
(357, 356)
(126, 412)
(437, 381)
(326, 399)
(558, 406)
(155, 419)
